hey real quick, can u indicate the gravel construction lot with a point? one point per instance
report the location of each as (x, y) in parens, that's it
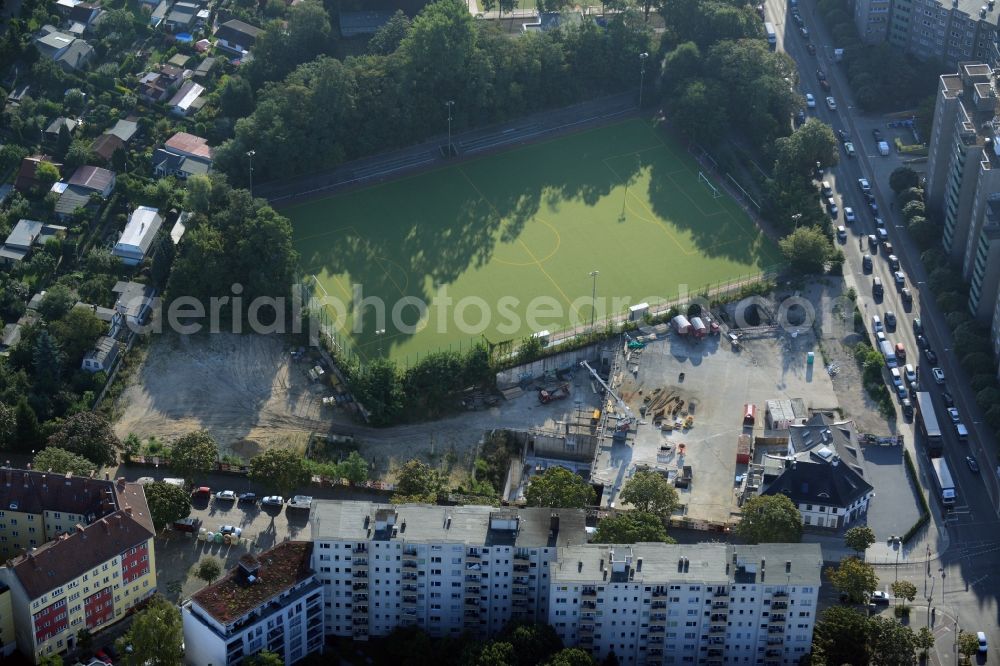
(243, 389)
(718, 381)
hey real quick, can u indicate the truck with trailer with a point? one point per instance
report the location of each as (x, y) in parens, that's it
(772, 35)
(946, 485)
(928, 423)
(889, 353)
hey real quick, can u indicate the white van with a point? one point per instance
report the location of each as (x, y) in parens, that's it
(963, 432)
(877, 324)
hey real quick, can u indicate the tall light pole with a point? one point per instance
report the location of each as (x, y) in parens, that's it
(250, 154)
(642, 75)
(593, 299)
(450, 104)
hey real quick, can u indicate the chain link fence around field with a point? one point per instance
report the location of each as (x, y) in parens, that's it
(507, 352)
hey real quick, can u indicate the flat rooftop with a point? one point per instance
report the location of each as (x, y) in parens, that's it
(278, 570)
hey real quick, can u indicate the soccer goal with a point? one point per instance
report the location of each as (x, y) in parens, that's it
(704, 179)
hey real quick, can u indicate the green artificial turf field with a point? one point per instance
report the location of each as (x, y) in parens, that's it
(517, 233)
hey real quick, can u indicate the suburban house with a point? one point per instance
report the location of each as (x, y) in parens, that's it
(76, 193)
(821, 473)
(66, 50)
(124, 130)
(157, 86)
(133, 307)
(52, 131)
(27, 178)
(83, 17)
(181, 16)
(205, 68)
(138, 235)
(355, 24)
(26, 235)
(158, 12)
(106, 145)
(10, 336)
(237, 36)
(102, 356)
(187, 100)
(183, 155)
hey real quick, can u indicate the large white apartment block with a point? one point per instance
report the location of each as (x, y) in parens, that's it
(654, 603)
(268, 602)
(443, 569)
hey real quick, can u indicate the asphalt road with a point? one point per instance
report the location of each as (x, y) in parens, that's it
(968, 590)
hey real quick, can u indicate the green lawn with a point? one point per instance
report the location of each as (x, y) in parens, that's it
(531, 222)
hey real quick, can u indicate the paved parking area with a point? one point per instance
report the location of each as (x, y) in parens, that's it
(263, 527)
(895, 507)
(718, 382)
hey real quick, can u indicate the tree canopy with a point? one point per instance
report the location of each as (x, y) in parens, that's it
(807, 249)
(88, 434)
(860, 538)
(559, 487)
(281, 469)
(650, 492)
(631, 527)
(855, 578)
(167, 503)
(194, 455)
(60, 461)
(155, 635)
(417, 481)
(208, 569)
(842, 635)
(770, 519)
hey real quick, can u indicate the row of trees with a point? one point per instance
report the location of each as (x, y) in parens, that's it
(329, 110)
(845, 635)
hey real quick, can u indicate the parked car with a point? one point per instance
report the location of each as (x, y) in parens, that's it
(918, 328)
(230, 529)
(820, 74)
(842, 234)
(826, 189)
(879, 223)
(907, 408)
(201, 491)
(831, 207)
(938, 375)
(973, 465)
(930, 355)
(953, 414)
(248, 497)
(901, 393)
(187, 525)
(897, 377)
(981, 640)
(825, 85)
(849, 214)
(811, 49)
(922, 342)
(800, 117)
(103, 656)
(843, 135)
(864, 185)
(226, 495)
(872, 242)
(866, 263)
(300, 502)
(273, 500)
(900, 279)
(893, 262)
(880, 597)
(877, 133)
(810, 101)
(948, 400)
(831, 103)
(900, 351)
(882, 234)
(877, 324)
(906, 295)
(804, 31)
(849, 149)
(890, 320)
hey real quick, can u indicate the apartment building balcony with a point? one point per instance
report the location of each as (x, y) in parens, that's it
(519, 592)
(716, 651)
(359, 549)
(473, 556)
(589, 605)
(360, 609)
(409, 600)
(773, 653)
(588, 619)
(658, 605)
(470, 620)
(472, 602)
(718, 618)
(521, 580)
(360, 585)
(359, 562)
(313, 622)
(521, 567)
(773, 662)
(522, 556)
(409, 564)
(275, 633)
(410, 587)
(776, 629)
(721, 592)
(657, 629)
(779, 605)
(659, 593)
(360, 596)
(714, 661)
(656, 640)
(777, 618)
(472, 591)
(655, 651)
(360, 635)
(410, 575)
(658, 619)
(360, 573)
(719, 604)
(585, 630)
(585, 640)
(521, 602)
(716, 629)
(360, 622)
(589, 592)
(780, 594)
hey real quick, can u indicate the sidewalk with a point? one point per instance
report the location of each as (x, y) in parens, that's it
(929, 545)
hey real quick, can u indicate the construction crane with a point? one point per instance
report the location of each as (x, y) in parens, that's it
(625, 416)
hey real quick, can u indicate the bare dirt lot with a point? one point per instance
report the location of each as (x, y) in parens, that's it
(243, 389)
(248, 393)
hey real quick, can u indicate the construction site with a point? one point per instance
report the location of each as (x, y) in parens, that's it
(689, 399)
